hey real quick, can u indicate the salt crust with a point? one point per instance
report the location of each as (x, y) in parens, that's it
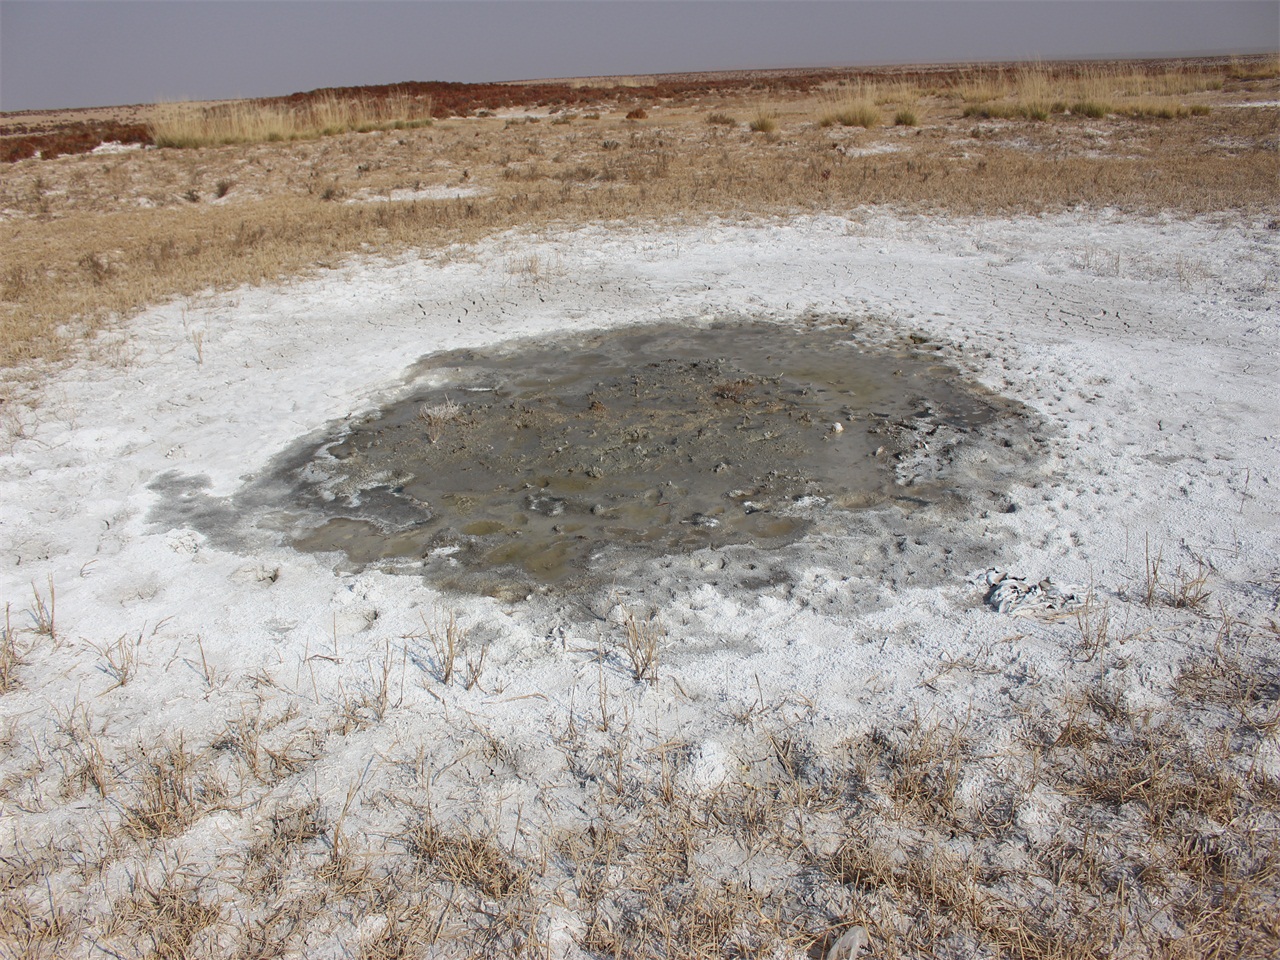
(1150, 346)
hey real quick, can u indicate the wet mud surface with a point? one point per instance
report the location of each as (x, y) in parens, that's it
(545, 466)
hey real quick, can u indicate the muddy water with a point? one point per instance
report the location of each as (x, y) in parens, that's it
(530, 464)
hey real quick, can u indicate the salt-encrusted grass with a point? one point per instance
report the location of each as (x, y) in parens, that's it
(1100, 829)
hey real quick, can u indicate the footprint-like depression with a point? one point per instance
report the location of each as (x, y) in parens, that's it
(546, 465)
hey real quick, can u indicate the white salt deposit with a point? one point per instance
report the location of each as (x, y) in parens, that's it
(1150, 347)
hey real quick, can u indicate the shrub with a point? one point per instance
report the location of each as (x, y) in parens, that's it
(906, 117)
(764, 123)
(722, 120)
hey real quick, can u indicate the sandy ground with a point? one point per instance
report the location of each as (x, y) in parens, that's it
(1149, 351)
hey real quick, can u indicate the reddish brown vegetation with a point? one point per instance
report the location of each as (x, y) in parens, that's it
(468, 99)
(77, 137)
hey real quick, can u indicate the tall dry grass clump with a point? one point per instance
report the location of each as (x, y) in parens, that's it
(1035, 92)
(1263, 68)
(765, 121)
(246, 121)
(852, 107)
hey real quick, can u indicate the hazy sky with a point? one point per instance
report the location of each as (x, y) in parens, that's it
(64, 53)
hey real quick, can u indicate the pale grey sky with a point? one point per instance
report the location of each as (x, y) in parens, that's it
(76, 53)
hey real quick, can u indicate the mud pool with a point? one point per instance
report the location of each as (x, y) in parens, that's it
(534, 465)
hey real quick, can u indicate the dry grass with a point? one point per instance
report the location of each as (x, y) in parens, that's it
(172, 788)
(765, 121)
(906, 117)
(853, 107)
(166, 917)
(250, 121)
(34, 932)
(438, 416)
(1030, 93)
(1261, 68)
(460, 856)
(10, 657)
(1108, 827)
(641, 646)
(88, 239)
(1160, 846)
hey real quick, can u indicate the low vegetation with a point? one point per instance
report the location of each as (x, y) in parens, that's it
(88, 239)
(251, 121)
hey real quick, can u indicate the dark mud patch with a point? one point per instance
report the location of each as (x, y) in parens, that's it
(537, 466)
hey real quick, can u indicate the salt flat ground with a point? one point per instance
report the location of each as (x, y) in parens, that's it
(215, 750)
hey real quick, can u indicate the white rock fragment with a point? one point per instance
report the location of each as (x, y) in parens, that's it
(849, 945)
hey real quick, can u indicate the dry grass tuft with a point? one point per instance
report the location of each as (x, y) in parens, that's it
(44, 610)
(290, 826)
(83, 756)
(29, 932)
(460, 856)
(855, 107)
(10, 657)
(438, 416)
(1183, 590)
(1093, 109)
(923, 770)
(448, 642)
(168, 917)
(641, 644)
(765, 121)
(173, 788)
